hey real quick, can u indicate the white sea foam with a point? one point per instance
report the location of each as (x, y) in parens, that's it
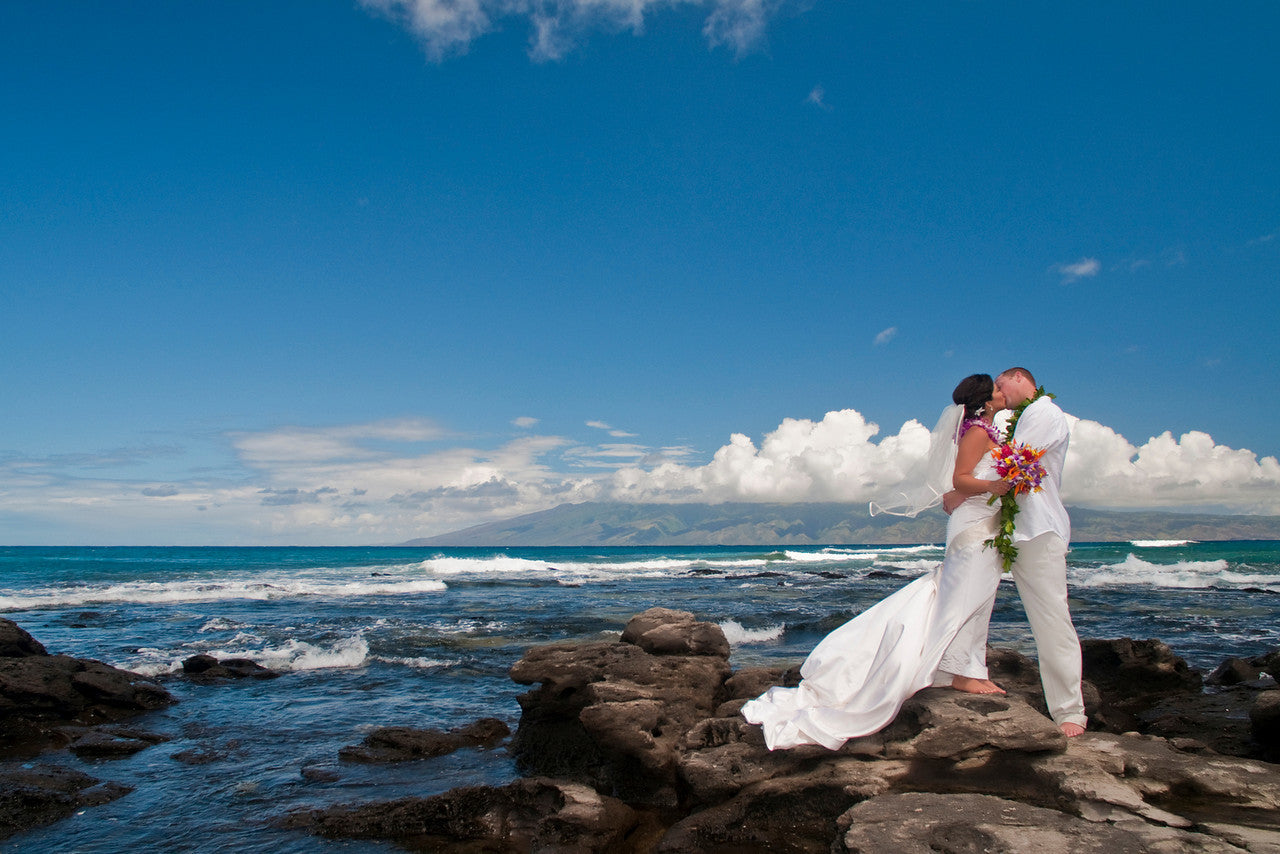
(574, 571)
(217, 624)
(737, 635)
(1186, 574)
(820, 557)
(215, 590)
(482, 566)
(1159, 544)
(299, 655)
(891, 553)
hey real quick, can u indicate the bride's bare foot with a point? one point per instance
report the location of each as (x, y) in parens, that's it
(975, 686)
(1071, 730)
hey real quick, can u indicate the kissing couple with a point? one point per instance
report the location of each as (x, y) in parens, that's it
(933, 631)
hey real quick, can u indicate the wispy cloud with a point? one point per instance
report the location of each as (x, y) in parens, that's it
(817, 97)
(327, 444)
(448, 27)
(524, 422)
(886, 335)
(1083, 269)
(612, 431)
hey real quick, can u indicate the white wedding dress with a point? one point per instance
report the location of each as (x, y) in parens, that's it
(858, 677)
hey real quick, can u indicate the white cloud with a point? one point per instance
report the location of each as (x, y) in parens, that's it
(612, 431)
(829, 460)
(886, 335)
(375, 483)
(318, 444)
(1082, 269)
(816, 97)
(524, 422)
(836, 460)
(447, 27)
(1104, 470)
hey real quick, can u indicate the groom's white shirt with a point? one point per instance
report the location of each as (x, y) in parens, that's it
(1044, 425)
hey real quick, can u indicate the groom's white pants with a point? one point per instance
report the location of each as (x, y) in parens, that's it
(1041, 575)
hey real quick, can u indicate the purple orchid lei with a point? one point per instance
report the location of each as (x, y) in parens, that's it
(995, 434)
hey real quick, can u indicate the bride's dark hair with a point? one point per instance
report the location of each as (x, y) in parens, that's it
(973, 393)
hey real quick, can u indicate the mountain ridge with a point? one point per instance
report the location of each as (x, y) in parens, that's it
(810, 523)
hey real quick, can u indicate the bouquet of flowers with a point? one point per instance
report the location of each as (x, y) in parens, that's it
(1019, 465)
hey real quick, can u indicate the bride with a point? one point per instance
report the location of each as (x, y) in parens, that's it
(931, 632)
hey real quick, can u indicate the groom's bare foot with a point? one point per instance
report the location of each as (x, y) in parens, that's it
(1071, 730)
(975, 686)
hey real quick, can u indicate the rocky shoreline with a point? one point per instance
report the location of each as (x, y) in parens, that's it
(636, 745)
(55, 702)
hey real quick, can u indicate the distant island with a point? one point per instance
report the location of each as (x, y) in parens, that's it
(745, 524)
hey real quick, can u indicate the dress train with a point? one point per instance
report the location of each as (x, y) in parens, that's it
(858, 677)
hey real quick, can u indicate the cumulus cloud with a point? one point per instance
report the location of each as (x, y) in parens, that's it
(1083, 269)
(829, 460)
(836, 459)
(1104, 470)
(377, 483)
(448, 27)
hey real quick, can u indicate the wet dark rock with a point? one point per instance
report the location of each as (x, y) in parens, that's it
(110, 742)
(54, 702)
(15, 642)
(400, 744)
(314, 774)
(1130, 672)
(527, 815)
(31, 797)
(1269, 662)
(1124, 680)
(206, 669)
(1233, 671)
(198, 756)
(39, 691)
(1264, 723)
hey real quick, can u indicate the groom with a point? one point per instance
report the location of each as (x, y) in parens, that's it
(1041, 534)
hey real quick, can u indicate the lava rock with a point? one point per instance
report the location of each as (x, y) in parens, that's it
(399, 744)
(527, 815)
(662, 631)
(206, 669)
(31, 797)
(39, 691)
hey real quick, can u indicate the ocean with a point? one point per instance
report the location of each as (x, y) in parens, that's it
(423, 637)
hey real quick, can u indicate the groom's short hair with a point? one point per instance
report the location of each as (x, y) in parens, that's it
(1022, 371)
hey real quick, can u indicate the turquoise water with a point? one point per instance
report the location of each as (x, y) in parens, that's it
(367, 637)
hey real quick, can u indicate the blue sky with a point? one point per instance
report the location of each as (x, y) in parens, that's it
(355, 272)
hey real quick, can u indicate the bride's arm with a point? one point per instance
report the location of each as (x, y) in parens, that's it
(974, 444)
